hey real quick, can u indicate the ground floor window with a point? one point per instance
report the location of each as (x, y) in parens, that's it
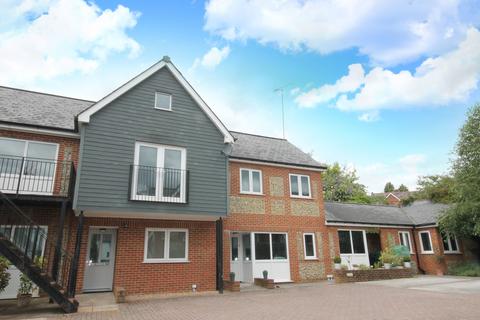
(309, 246)
(426, 242)
(166, 245)
(270, 246)
(351, 241)
(405, 240)
(450, 243)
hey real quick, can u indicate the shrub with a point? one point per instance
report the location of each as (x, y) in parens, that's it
(26, 285)
(465, 269)
(389, 256)
(407, 259)
(4, 274)
(337, 260)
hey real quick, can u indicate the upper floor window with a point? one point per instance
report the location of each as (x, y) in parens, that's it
(159, 173)
(300, 186)
(450, 243)
(28, 166)
(163, 101)
(250, 181)
(426, 242)
(405, 240)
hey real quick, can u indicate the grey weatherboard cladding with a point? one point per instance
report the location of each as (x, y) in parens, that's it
(108, 148)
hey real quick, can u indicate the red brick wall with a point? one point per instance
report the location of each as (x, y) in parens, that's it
(392, 200)
(68, 149)
(144, 278)
(287, 222)
(437, 262)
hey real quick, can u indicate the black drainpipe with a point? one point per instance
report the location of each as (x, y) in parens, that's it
(417, 252)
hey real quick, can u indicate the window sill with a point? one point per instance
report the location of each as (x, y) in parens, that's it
(300, 197)
(252, 193)
(427, 252)
(452, 252)
(311, 259)
(161, 109)
(165, 261)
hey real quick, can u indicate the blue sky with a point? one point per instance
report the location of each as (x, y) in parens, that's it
(377, 87)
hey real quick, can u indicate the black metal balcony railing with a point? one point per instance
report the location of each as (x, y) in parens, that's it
(158, 184)
(21, 175)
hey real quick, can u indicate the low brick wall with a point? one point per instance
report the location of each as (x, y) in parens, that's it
(233, 286)
(266, 283)
(345, 276)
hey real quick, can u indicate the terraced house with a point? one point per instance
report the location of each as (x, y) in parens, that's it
(148, 191)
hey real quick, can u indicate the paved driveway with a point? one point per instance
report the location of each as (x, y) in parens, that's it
(312, 301)
(457, 285)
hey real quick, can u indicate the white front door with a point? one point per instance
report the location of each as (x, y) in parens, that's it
(100, 260)
(241, 257)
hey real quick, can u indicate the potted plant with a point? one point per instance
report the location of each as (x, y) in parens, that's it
(4, 274)
(407, 262)
(387, 257)
(24, 295)
(265, 274)
(337, 263)
(232, 276)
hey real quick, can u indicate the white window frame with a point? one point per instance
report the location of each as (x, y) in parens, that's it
(401, 236)
(159, 183)
(449, 238)
(166, 247)
(254, 258)
(299, 182)
(364, 234)
(421, 242)
(25, 150)
(314, 257)
(164, 94)
(250, 181)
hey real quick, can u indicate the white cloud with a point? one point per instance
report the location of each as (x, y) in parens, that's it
(388, 33)
(438, 81)
(371, 116)
(404, 170)
(41, 40)
(212, 58)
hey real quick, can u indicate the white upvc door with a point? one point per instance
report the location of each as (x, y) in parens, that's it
(270, 253)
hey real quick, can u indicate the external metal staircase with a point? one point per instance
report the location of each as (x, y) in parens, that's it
(48, 265)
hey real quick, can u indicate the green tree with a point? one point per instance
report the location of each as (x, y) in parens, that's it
(436, 188)
(402, 188)
(341, 184)
(389, 187)
(463, 217)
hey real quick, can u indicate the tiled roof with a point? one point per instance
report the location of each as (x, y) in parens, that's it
(39, 109)
(268, 149)
(366, 214)
(416, 214)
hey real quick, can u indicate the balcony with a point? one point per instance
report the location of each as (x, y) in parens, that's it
(156, 184)
(39, 177)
